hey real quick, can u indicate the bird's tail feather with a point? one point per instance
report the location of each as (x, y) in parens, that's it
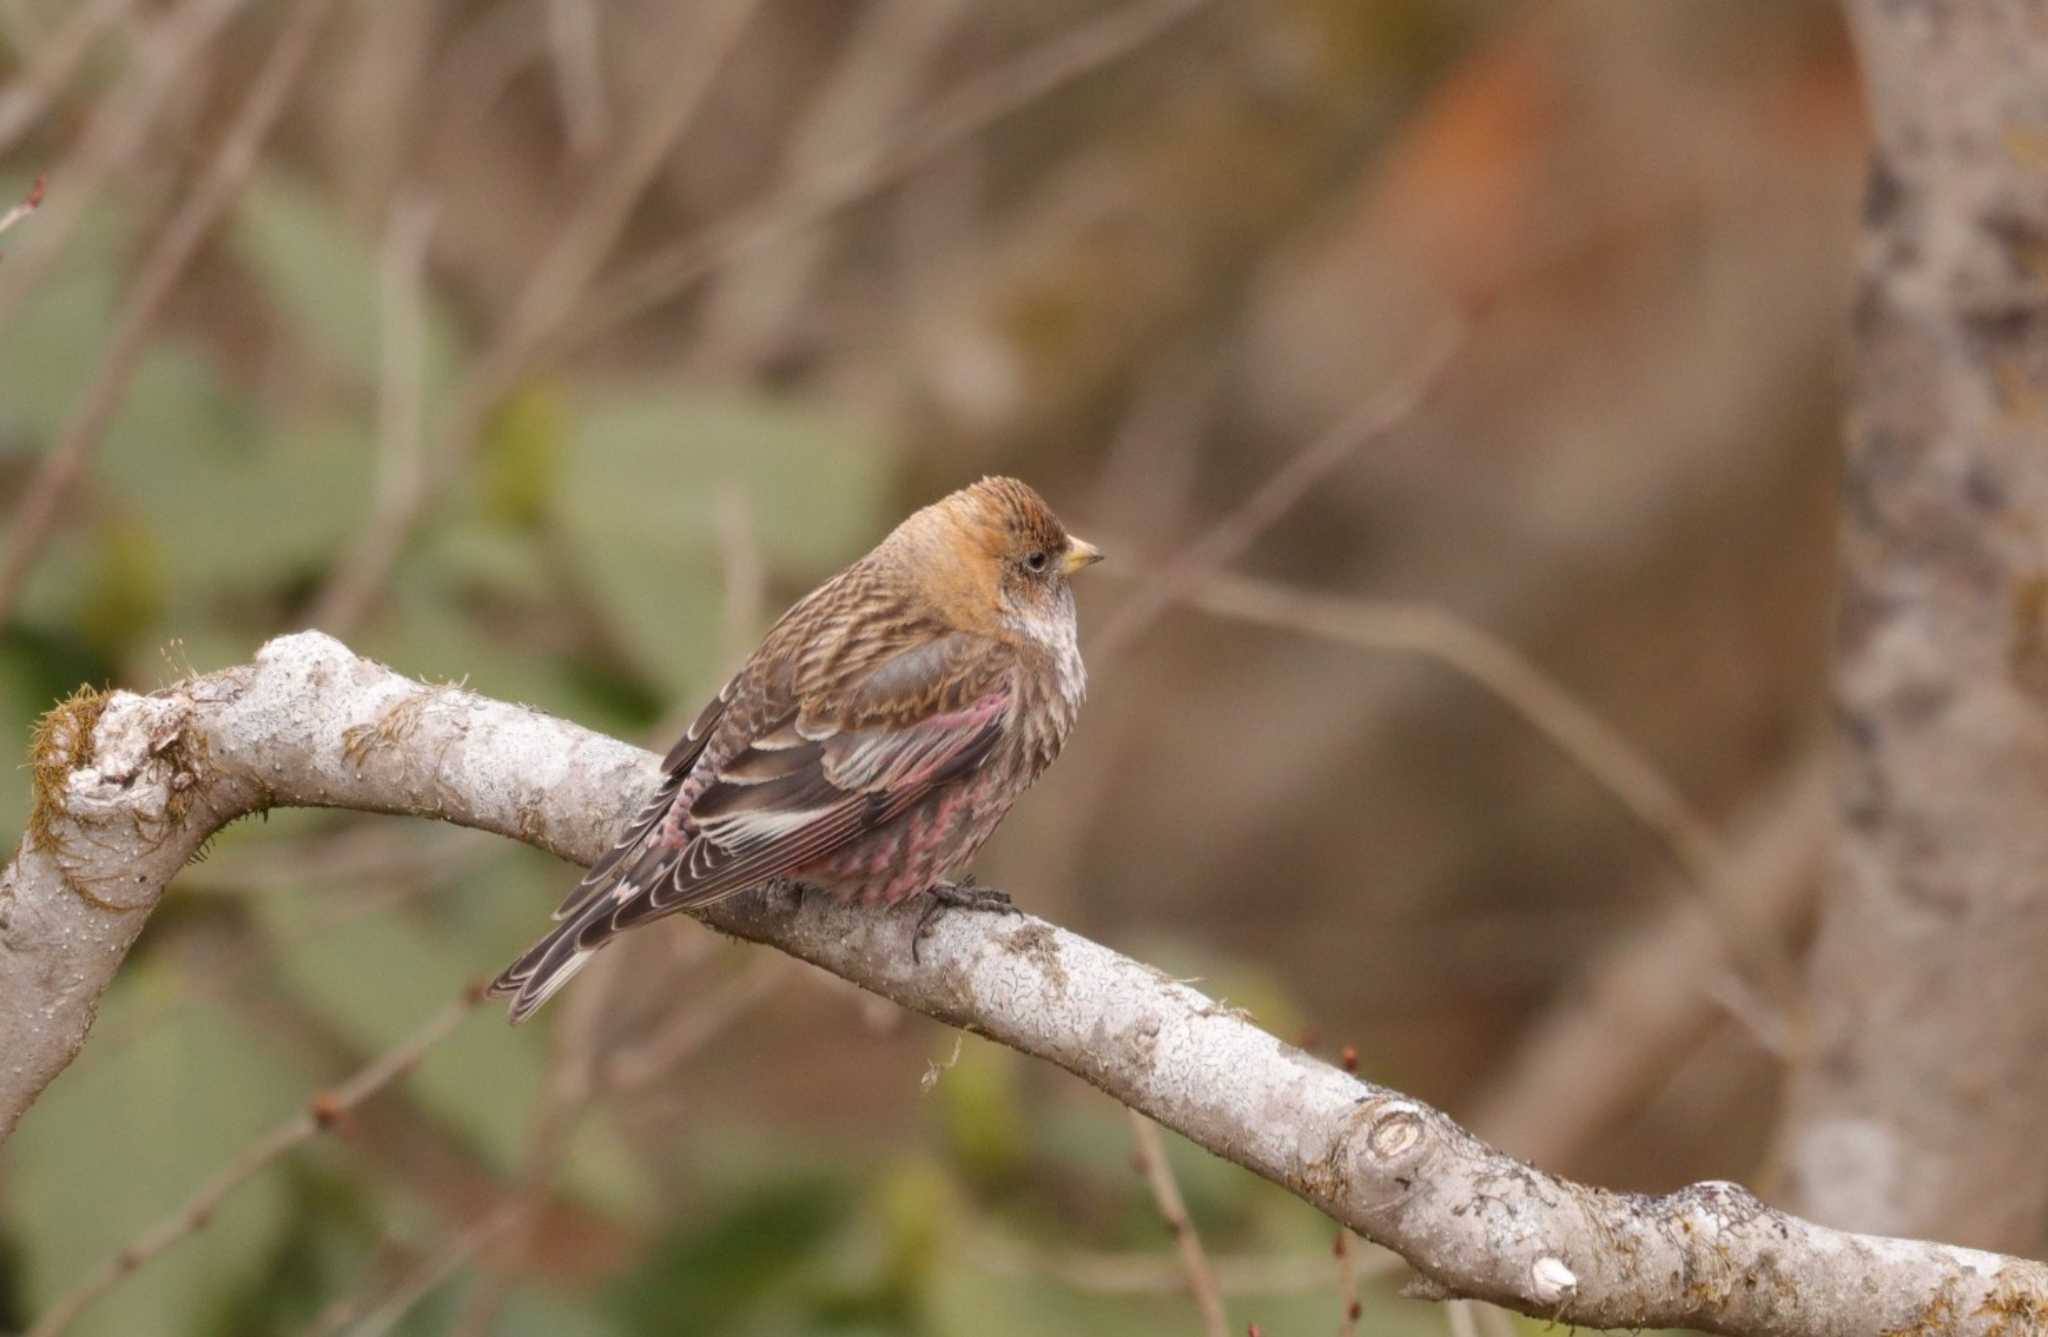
(548, 964)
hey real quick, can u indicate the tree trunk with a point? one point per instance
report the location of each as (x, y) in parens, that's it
(1922, 1102)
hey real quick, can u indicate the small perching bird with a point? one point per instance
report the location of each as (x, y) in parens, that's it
(870, 745)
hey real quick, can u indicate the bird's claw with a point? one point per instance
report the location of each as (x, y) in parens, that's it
(786, 894)
(961, 895)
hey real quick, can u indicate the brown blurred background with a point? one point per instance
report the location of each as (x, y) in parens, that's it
(556, 345)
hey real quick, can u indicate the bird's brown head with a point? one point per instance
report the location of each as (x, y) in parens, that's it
(993, 557)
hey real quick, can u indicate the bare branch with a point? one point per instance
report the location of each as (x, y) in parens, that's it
(1643, 1004)
(1388, 408)
(1151, 1155)
(29, 204)
(702, 38)
(129, 786)
(881, 71)
(950, 121)
(355, 1316)
(159, 58)
(577, 46)
(1349, 1309)
(1552, 710)
(633, 1068)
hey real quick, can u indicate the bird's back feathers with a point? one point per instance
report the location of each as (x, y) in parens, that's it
(789, 765)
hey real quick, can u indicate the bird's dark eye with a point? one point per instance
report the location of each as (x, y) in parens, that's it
(1037, 560)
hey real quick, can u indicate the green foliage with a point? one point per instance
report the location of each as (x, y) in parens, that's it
(522, 457)
(142, 1117)
(51, 345)
(638, 503)
(322, 280)
(14, 1312)
(328, 1232)
(981, 1109)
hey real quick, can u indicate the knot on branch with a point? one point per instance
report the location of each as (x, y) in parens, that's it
(1716, 1206)
(1395, 1131)
(1388, 1139)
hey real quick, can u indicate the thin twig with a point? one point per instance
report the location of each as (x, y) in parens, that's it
(583, 1068)
(565, 1094)
(631, 1069)
(984, 101)
(324, 1111)
(1151, 1152)
(480, 61)
(29, 204)
(399, 870)
(880, 72)
(82, 432)
(435, 1269)
(120, 125)
(387, 1262)
(542, 326)
(401, 382)
(744, 573)
(1491, 663)
(1348, 1308)
(1392, 406)
(1644, 1003)
(704, 39)
(702, 42)
(579, 75)
(1553, 711)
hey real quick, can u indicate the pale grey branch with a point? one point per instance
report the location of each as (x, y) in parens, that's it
(130, 786)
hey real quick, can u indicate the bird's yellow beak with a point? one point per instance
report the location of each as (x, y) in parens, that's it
(1080, 553)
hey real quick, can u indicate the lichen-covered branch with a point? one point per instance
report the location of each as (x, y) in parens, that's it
(129, 787)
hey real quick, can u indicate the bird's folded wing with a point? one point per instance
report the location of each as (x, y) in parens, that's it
(778, 809)
(603, 875)
(851, 755)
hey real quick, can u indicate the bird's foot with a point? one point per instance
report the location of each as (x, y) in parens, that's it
(961, 895)
(786, 894)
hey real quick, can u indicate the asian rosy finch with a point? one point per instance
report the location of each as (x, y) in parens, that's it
(870, 745)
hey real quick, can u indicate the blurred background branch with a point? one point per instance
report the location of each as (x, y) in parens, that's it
(29, 204)
(325, 1111)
